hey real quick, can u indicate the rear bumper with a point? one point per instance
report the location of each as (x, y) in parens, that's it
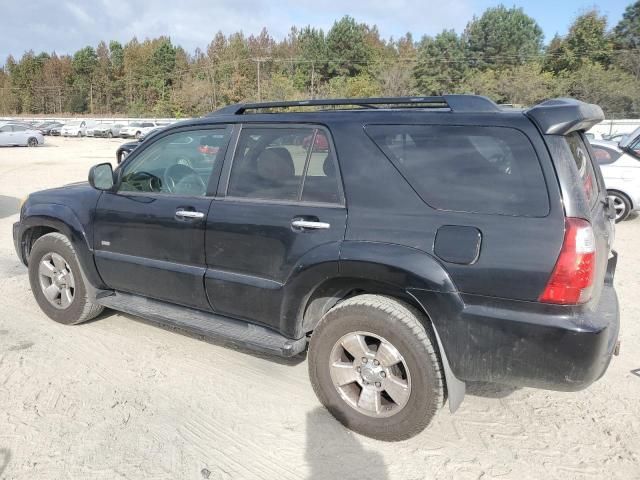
(526, 343)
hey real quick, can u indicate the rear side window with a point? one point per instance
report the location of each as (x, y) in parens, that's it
(604, 155)
(585, 168)
(284, 164)
(491, 170)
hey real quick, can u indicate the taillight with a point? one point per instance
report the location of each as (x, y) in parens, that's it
(572, 279)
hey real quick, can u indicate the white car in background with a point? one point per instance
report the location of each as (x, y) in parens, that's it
(620, 165)
(76, 128)
(137, 129)
(19, 135)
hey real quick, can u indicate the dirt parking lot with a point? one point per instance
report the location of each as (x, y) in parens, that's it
(120, 398)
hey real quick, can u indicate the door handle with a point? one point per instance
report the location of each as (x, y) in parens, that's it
(189, 214)
(310, 224)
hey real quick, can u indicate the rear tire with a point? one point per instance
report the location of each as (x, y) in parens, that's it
(57, 282)
(407, 394)
(621, 203)
(109, 134)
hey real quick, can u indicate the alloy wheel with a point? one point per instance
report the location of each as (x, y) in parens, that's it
(56, 280)
(619, 205)
(370, 374)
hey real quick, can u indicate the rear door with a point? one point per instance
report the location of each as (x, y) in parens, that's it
(149, 234)
(280, 209)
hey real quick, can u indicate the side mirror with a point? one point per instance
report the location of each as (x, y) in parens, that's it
(101, 176)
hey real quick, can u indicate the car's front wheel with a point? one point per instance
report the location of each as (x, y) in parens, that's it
(621, 204)
(57, 283)
(32, 142)
(373, 365)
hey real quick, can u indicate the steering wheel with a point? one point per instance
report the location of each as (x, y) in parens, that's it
(183, 179)
(145, 181)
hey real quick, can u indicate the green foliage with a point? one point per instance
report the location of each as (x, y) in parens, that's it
(503, 37)
(441, 63)
(587, 42)
(626, 34)
(347, 49)
(499, 55)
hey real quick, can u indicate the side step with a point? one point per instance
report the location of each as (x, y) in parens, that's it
(232, 331)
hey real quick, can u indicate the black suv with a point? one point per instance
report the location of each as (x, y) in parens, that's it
(414, 244)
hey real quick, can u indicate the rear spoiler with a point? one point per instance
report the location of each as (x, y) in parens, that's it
(561, 116)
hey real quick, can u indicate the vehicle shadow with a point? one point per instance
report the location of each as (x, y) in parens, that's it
(8, 206)
(5, 456)
(489, 390)
(213, 341)
(333, 452)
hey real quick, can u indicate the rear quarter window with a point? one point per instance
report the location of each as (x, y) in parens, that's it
(580, 155)
(490, 170)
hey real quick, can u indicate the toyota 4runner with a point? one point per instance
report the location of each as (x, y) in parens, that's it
(412, 244)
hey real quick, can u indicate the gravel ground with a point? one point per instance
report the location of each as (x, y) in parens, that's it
(120, 398)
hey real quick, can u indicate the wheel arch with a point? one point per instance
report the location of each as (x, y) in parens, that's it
(40, 219)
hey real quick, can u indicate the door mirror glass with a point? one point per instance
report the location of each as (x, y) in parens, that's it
(101, 176)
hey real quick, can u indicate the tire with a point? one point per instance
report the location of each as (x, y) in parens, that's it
(621, 203)
(32, 142)
(79, 134)
(389, 321)
(109, 134)
(138, 135)
(50, 248)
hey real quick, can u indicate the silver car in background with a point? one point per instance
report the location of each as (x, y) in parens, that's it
(19, 135)
(620, 165)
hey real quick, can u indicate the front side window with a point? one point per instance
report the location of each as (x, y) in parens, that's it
(180, 163)
(492, 170)
(285, 164)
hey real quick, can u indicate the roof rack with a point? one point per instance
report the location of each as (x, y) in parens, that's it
(455, 103)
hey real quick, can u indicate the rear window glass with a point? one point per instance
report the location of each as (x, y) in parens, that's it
(585, 168)
(491, 170)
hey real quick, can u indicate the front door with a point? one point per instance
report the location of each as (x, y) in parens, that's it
(149, 234)
(280, 209)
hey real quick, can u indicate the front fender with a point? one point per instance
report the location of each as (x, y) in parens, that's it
(63, 219)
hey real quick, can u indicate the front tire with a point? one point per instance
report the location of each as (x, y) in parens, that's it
(621, 203)
(373, 365)
(32, 142)
(57, 282)
(138, 135)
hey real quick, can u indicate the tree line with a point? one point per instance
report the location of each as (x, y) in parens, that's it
(499, 54)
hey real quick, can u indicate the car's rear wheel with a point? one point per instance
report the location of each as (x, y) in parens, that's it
(32, 142)
(621, 203)
(373, 365)
(138, 135)
(109, 134)
(57, 282)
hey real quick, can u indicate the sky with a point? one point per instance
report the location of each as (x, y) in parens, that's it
(65, 26)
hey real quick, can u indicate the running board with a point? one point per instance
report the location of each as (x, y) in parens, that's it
(236, 332)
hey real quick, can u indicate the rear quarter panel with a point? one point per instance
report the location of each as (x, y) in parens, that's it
(517, 254)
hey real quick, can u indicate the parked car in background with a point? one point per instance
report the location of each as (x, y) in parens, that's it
(621, 172)
(616, 137)
(56, 131)
(145, 133)
(12, 134)
(46, 129)
(76, 128)
(125, 149)
(476, 245)
(103, 130)
(90, 128)
(136, 129)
